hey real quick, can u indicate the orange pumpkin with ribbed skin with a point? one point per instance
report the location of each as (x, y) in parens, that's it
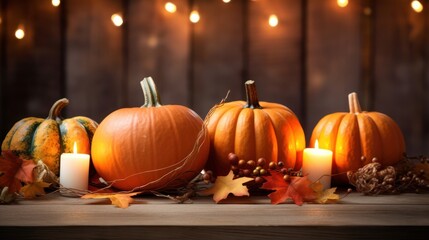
(253, 129)
(46, 139)
(153, 147)
(358, 133)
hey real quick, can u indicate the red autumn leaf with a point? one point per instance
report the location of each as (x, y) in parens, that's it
(296, 188)
(14, 171)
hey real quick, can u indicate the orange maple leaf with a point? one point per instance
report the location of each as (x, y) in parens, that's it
(32, 190)
(224, 185)
(297, 188)
(121, 200)
(14, 171)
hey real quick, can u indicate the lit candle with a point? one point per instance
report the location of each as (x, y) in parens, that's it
(317, 165)
(74, 168)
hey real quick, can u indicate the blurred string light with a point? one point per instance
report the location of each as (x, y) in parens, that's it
(170, 7)
(117, 19)
(226, 1)
(194, 17)
(20, 33)
(273, 20)
(343, 3)
(56, 3)
(417, 6)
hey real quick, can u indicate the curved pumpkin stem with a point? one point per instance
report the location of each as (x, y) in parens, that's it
(151, 98)
(354, 104)
(251, 95)
(57, 107)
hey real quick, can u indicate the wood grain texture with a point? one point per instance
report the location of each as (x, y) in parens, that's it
(333, 62)
(94, 58)
(355, 217)
(217, 54)
(31, 81)
(275, 52)
(399, 69)
(317, 54)
(158, 46)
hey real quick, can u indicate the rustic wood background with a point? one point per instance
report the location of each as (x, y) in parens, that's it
(317, 54)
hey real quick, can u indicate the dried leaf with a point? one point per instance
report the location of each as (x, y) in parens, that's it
(15, 170)
(6, 197)
(32, 190)
(297, 188)
(224, 185)
(324, 196)
(121, 200)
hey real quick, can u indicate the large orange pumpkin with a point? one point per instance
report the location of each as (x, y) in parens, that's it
(151, 147)
(357, 137)
(253, 129)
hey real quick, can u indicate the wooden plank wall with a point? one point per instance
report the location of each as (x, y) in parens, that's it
(317, 54)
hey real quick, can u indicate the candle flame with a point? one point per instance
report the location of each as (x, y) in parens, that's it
(316, 144)
(74, 148)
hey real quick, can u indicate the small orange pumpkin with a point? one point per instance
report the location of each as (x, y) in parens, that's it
(253, 129)
(357, 137)
(151, 147)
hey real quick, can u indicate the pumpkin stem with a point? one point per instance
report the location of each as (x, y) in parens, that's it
(354, 105)
(251, 95)
(57, 107)
(151, 98)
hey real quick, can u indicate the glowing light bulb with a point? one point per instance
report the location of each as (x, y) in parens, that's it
(226, 1)
(273, 21)
(19, 33)
(417, 6)
(56, 3)
(170, 7)
(117, 19)
(194, 17)
(343, 3)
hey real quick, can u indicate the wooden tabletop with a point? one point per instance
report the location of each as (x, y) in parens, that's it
(402, 216)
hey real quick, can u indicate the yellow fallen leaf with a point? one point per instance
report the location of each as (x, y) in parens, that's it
(224, 185)
(34, 189)
(121, 200)
(324, 196)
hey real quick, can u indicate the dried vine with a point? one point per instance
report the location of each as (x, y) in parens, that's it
(408, 175)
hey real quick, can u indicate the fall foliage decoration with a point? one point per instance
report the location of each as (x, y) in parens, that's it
(296, 188)
(39, 138)
(324, 195)
(15, 171)
(285, 183)
(358, 133)
(151, 147)
(253, 129)
(120, 200)
(224, 185)
(21, 177)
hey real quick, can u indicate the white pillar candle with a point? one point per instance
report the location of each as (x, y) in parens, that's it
(317, 165)
(74, 169)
